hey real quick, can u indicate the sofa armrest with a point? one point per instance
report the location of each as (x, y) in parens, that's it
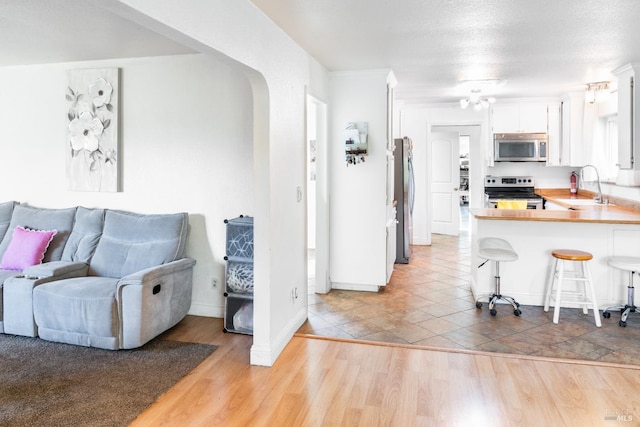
(18, 293)
(153, 300)
(59, 269)
(150, 275)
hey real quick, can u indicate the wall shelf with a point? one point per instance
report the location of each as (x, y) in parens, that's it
(355, 142)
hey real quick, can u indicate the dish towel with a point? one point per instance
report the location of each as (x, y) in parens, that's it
(512, 204)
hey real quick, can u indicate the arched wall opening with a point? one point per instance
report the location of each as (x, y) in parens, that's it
(278, 70)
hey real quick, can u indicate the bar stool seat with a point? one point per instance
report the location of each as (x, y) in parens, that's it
(497, 250)
(585, 296)
(632, 265)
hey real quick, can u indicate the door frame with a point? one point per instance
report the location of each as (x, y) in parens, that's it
(477, 167)
(322, 199)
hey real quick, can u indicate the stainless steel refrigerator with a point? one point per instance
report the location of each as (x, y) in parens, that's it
(404, 194)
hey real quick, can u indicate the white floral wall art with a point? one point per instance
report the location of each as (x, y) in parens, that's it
(92, 130)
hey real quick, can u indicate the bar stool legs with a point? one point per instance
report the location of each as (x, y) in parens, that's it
(632, 265)
(497, 250)
(625, 309)
(586, 296)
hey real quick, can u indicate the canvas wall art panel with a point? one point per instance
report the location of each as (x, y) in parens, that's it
(92, 148)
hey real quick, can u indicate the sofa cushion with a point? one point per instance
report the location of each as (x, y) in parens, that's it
(6, 210)
(27, 248)
(85, 235)
(133, 242)
(81, 305)
(42, 219)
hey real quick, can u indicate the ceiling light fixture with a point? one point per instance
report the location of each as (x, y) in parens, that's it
(594, 91)
(476, 101)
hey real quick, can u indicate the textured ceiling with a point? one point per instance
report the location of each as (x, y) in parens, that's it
(539, 47)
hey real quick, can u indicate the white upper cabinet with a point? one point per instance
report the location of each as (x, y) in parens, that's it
(625, 122)
(505, 118)
(566, 148)
(573, 130)
(519, 117)
(534, 117)
(628, 118)
(554, 133)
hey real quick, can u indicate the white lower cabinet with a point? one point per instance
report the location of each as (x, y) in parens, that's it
(525, 279)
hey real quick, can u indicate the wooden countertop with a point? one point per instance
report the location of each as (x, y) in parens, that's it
(614, 214)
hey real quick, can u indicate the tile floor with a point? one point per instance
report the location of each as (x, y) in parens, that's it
(429, 302)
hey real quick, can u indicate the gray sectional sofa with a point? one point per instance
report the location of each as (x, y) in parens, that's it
(108, 279)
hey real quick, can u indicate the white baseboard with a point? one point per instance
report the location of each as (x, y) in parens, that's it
(355, 287)
(421, 241)
(266, 355)
(206, 310)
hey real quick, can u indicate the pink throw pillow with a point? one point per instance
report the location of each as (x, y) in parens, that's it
(27, 248)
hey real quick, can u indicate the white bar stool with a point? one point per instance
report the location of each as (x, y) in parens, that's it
(632, 265)
(582, 297)
(498, 250)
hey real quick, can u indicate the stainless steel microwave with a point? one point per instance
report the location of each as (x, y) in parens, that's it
(520, 147)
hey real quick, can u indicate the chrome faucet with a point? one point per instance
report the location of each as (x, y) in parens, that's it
(598, 197)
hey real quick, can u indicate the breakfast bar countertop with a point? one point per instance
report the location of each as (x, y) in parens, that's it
(603, 230)
(612, 213)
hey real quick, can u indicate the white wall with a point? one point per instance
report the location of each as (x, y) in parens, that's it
(546, 176)
(415, 121)
(358, 192)
(186, 145)
(281, 73)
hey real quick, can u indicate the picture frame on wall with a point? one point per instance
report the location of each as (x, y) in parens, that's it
(92, 144)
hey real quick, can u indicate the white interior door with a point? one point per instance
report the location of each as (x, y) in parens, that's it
(445, 183)
(317, 198)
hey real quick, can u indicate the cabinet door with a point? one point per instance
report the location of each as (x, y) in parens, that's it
(523, 117)
(625, 122)
(533, 117)
(505, 118)
(554, 150)
(572, 122)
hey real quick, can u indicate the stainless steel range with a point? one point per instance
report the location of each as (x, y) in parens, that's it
(511, 188)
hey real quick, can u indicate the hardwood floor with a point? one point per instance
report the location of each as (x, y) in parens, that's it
(320, 382)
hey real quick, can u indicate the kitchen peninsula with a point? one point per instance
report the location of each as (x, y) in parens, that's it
(603, 230)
